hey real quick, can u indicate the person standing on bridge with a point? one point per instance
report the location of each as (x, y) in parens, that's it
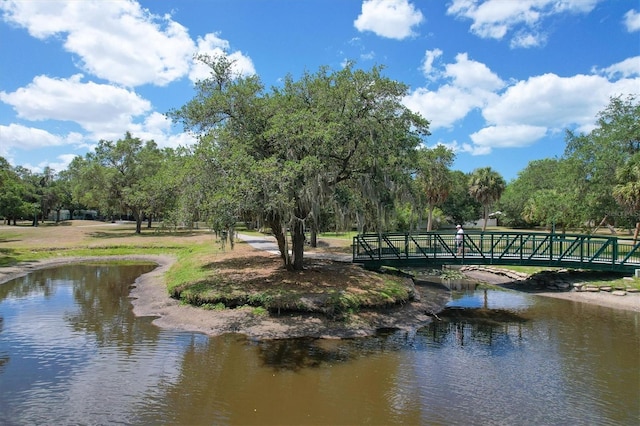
(459, 238)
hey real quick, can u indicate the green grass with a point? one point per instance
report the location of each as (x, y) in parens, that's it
(190, 267)
(525, 269)
(347, 235)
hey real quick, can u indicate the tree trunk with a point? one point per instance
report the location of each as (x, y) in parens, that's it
(297, 240)
(486, 217)
(636, 233)
(313, 235)
(281, 237)
(149, 219)
(138, 216)
(430, 218)
(360, 221)
(232, 236)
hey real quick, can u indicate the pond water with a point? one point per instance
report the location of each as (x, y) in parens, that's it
(72, 352)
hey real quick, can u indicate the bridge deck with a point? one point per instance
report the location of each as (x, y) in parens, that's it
(432, 249)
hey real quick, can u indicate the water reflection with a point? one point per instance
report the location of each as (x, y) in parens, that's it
(71, 352)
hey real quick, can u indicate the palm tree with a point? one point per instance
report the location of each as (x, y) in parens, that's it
(627, 192)
(435, 177)
(486, 186)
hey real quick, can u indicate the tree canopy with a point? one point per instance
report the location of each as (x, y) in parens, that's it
(331, 149)
(486, 186)
(282, 154)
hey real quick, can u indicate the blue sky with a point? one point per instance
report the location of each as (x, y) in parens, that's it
(499, 80)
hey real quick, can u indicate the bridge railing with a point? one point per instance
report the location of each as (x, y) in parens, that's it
(574, 250)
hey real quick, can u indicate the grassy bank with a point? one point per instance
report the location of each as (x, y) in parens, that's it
(206, 276)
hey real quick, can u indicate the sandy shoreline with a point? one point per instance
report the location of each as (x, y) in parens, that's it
(629, 302)
(149, 297)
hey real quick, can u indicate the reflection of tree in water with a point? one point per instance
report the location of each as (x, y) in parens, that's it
(104, 310)
(498, 329)
(36, 283)
(4, 358)
(101, 293)
(297, 354)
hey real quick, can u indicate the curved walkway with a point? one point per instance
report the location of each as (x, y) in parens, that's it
(268, 243)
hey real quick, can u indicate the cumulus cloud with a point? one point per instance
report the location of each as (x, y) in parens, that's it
(157, 127)
(517, 113)
(116, 40)
(444, 106)
(510, 136)
(496, 18)
(213, 46)
(632, 21)
(527, 39)
(469, 85)
(629, 67)
(470, 74)
(95, 107)
(430, 57)
(555, 102)
(61, 163)
(17, 136)
(389, 18)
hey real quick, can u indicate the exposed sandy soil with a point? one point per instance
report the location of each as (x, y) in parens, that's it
(629, 302)
(150, 298)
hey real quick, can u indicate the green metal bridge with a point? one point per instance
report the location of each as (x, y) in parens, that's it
(434, 249)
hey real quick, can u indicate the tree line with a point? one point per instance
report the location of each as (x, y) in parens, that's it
(333, 150)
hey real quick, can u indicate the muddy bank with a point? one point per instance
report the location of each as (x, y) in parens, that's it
(11, 272)
(628, 302)
(149, 297)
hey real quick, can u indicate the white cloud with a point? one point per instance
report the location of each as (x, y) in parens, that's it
(430, 57)
(114, 40)
(389, 18)
(95, 107)
(555, 102)
(630, 67)
(471, 74)
(513, 136)
(526, 40)
(19, 136)
(523, 112)
(632, 20)
(444, 106)
(61, 164)
(455, 146)
(470, 85)
(16, 136)
(157, 127)
(213, 46)
(496, 18)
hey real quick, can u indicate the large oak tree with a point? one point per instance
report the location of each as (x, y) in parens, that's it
(282, 153)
